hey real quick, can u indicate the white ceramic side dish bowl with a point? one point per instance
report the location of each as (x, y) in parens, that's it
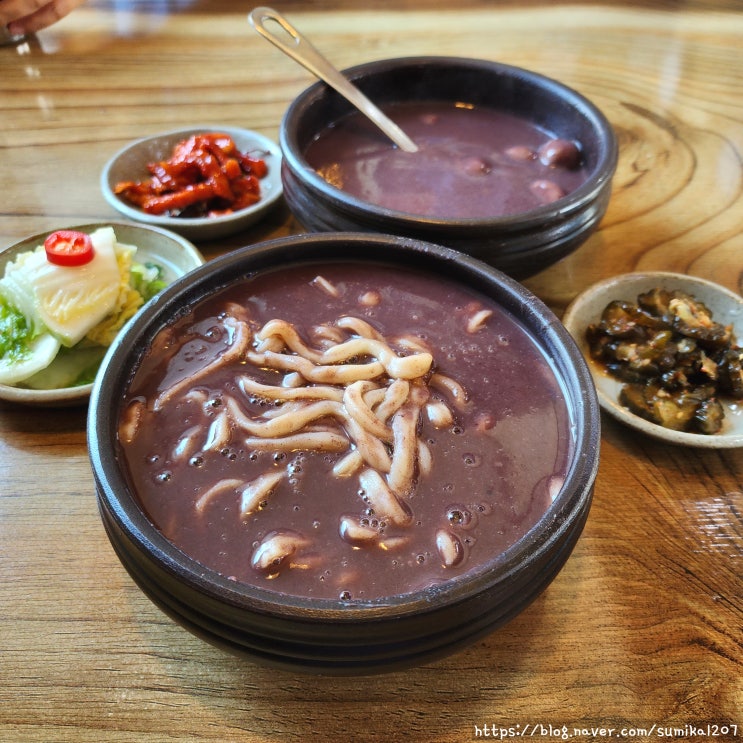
(176, 255)
(726, 308)
(130, 164)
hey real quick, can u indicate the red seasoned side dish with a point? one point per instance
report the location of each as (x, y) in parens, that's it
(206, 175)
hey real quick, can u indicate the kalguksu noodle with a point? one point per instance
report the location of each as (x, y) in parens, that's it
(344, 431)
(375, 406)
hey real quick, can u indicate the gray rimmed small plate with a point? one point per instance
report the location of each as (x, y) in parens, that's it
(176, 255)
(726, 308)
(130, 164)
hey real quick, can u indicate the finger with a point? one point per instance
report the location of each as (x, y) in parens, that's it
(45, 16)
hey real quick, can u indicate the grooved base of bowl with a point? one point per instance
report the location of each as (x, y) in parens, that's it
(371, 647)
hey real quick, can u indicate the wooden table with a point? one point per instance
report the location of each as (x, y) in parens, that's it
(643, 626)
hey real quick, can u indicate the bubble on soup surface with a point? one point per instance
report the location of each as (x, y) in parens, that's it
(458, 515)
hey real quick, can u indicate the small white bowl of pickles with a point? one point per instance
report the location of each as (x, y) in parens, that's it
(65, 294)
(665, 355)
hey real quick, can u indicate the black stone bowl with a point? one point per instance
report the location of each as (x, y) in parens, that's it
(322, 635)
(520, 245)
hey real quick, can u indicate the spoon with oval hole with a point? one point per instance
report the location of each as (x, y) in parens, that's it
(302, 51)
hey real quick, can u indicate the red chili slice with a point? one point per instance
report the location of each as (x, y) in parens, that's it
(69, 248)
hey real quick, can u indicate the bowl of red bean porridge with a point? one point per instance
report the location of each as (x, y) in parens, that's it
(512, 167)
(344, 453)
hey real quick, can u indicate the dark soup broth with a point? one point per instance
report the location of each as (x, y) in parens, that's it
(472, 162)
(345, 431)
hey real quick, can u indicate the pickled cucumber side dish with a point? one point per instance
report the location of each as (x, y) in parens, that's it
(677, 362)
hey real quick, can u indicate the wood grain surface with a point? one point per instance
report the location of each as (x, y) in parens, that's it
(643, 626)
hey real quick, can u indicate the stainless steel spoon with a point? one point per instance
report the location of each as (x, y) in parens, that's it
(302, 51)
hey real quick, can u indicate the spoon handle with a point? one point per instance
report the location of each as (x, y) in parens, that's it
(302, 51)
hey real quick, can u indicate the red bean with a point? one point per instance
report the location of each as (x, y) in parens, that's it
(560, 153)
(521, 153)
(476, 166)
(546, 191)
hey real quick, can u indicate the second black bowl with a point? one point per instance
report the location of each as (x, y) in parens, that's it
(520, 245)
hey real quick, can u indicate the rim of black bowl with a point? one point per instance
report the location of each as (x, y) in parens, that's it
(116, 499)
(602, 172)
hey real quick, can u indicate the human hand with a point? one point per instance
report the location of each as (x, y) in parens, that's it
(27, 16)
